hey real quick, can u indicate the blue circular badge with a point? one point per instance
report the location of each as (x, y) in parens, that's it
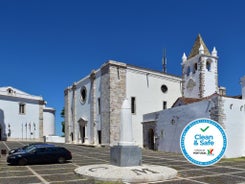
(203, 142)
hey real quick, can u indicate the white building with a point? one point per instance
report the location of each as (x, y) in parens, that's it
(92, 105)
(24, 116)
(202, 98)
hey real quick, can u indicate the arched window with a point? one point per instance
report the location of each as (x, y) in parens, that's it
(172, 121)
(188, 70)
(83, 93)
(10, 90)
(195, 67)
(208, 65)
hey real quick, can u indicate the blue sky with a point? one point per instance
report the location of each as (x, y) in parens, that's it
(46, 45)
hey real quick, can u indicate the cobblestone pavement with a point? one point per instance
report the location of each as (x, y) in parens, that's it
(227, 171)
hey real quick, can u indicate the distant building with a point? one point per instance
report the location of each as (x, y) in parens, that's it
(202, 98)
(24, 116)
(92, 105)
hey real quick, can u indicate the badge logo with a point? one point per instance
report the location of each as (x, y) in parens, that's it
(203, 142)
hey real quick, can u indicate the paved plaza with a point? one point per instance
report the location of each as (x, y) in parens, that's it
(227, 171)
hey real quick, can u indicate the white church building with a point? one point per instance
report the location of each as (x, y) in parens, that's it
(24, 116)
(201, 98)
(92, 104)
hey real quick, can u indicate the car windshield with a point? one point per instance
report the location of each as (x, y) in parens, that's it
(25, 147)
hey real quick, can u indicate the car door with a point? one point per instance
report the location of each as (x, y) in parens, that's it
(41, 155)
(53, 154)
(31, 155)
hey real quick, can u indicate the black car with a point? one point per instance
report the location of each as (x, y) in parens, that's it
(40, 154)
(26, 146)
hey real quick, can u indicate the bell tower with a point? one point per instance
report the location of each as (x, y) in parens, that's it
(200, 71)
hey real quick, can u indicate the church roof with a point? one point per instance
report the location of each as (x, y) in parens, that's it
(10, 91)
(185, 101)
(195, 49)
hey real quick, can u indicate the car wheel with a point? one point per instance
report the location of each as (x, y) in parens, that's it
(22, 161)
(61, 160)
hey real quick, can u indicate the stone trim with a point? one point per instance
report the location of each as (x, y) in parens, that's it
(183, 81)
(117, 95)
(105, 106)
(66, 91)
(217, 111)
(113, 92)
(201, 77)
(67, 117)
(74, 114)
(40, 121)
(216, 75)
(93, 129)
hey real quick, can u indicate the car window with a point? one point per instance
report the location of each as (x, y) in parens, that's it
(41, 150)
(62, 149)
(30, 148)
(50, 149)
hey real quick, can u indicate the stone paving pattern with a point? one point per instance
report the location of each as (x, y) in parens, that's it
(227, 171)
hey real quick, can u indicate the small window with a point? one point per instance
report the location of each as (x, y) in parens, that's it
(195, 67)
(164, 105)
(99, 106)
(208, 65)
(188, 71)
(83, 94)
(118, 73)
(22, 108)
(164, 88)
(10, 91)
(133, 105)
(99, 136)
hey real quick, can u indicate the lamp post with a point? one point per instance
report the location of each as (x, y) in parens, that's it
(34, 129)
(29, 125)
(9, 130)
(26, 130)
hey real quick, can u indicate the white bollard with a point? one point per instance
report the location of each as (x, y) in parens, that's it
(126, 129)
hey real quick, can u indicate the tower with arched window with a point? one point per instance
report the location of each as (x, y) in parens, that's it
(199, 71)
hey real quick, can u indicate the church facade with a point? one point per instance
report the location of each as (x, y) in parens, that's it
(202, 98)
(24, 116)
(93, 104)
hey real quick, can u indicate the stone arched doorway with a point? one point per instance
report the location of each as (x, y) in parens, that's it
(82, 132)
(82, 124)
(151, 141)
